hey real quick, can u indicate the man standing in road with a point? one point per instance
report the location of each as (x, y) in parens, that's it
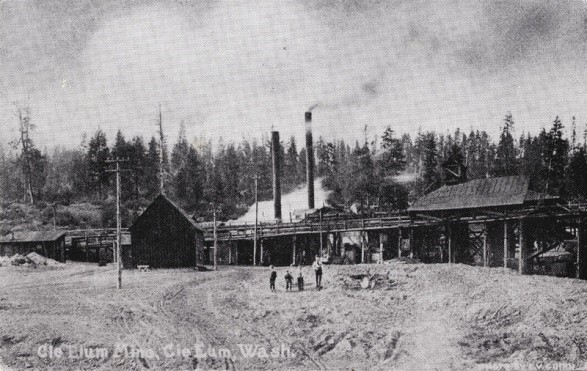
(318, 270)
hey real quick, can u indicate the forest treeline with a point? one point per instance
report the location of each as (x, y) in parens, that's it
(384, 173)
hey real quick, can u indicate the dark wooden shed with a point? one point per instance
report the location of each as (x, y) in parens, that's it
(50, 244)
(164, 236)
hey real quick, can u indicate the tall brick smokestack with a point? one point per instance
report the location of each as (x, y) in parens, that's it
(275, 150)
(309, 160)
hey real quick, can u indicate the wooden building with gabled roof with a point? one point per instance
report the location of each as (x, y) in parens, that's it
(50, 244)
(164, 236)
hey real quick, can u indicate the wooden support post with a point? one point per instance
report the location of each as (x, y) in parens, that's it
(449, 242)
(485, 255)
(236, 253)
(262, 253)
(256, 224)
(399, 243)
(229, 253)
(321, 236)
(293, 259)
(362, 247)
(522, 249)
(581, 250)
(411, 239)
(215, 243)
(505, 244)
(381, 248)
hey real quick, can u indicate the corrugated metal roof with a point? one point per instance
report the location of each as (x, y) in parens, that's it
(32, 236)
(490, 192)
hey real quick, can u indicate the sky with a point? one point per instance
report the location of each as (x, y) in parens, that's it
(239, 69)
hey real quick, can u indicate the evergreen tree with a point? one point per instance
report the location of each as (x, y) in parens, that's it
(263, 168)
(123, 150)
(10, 179)
(151, 179)
(430, 174)
(180, 151)
(62, 177)
(327, 159)
(392, 195)
(246, 183)
(188, 182)
(231, 175)
(408, 151)
(577, 175)
(291, 174)
(555, 157)
(81, 177)
(181, 155)
(98, 153)
(506, 162)
(138, 164)
(320, 148)
(216, 195)
(392, 160)
(362, 186)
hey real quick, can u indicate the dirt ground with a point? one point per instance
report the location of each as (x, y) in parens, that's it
(414, 317)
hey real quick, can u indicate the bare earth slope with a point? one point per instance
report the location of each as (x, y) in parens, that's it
(415, 316)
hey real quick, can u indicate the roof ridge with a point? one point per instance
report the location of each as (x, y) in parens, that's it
(175, 206)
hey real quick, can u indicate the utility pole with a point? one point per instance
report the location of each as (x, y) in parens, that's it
(215, 243)
(256, 222)
(161, 149)
(117, 161)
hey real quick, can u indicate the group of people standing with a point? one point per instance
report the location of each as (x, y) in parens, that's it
(316, 266)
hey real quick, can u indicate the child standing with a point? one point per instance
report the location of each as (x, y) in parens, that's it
(288, 281)
(272, 278)
(300, 279)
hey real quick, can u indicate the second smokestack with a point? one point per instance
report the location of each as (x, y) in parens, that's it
(276, 152)
(309, 160)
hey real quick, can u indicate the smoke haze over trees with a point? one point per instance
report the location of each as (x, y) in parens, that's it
(384, 174)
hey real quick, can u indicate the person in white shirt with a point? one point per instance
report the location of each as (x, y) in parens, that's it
(318, 270)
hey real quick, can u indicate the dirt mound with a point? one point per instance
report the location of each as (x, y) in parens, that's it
(4, 261)
(404, 260)
(31, 260)
(53, 263)
(384, 280)
(38, 259)
(18, 259)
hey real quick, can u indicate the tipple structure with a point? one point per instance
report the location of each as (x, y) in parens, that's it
(494, 222)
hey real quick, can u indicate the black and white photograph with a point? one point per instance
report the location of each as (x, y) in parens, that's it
(293, 185)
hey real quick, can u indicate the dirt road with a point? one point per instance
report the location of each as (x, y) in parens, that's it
(415, 316)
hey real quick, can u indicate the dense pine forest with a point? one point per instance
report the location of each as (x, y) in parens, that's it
(383, 171)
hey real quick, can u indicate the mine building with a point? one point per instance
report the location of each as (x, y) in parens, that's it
(489, 222)
(508, 221)
(164, 236)
(50, 244)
